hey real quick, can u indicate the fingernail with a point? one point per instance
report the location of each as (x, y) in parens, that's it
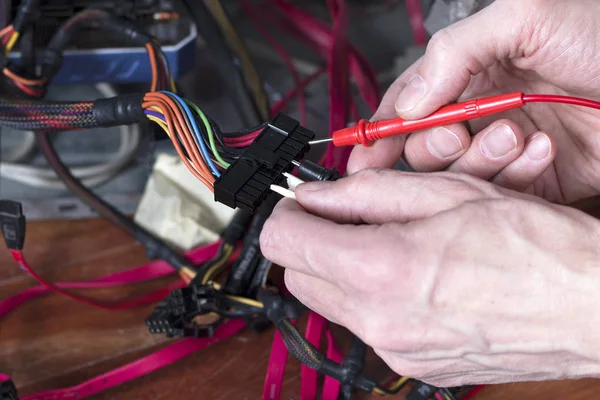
(499, 142)
(538, 148)
(412, 94)
(443, 143)
(314, 186)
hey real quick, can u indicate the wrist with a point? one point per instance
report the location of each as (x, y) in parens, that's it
(580, 312)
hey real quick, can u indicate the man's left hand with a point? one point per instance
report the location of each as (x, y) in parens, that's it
(450, 279)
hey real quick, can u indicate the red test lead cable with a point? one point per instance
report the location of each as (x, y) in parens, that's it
(365, 132)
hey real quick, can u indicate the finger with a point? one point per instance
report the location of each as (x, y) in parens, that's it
(539, 153)
(491, 150)
(436, 149)
(383, 153)
(320, 296)
(460, 51)
(381, 196)
(317, 247)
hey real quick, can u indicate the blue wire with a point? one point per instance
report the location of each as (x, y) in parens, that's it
(190, 116)
(155, 114)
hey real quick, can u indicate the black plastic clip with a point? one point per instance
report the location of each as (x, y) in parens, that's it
(12, 223)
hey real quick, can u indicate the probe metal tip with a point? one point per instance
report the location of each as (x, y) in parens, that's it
(328, 140)
(296, 163)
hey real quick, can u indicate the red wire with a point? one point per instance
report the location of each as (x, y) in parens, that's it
(338, 77)
(317, 34)
(549, 98)
(28, 90)
(284, 55)
(281, 104)
(471, 395)
(144, 299)
(438, 396)
(417, 21)
(7, 37)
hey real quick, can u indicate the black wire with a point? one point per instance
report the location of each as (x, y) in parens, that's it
(155, 247)
(165, 64)
(231, 73)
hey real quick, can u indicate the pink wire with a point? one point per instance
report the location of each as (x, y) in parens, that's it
(284, 55)
(417, 21)
(281, 104)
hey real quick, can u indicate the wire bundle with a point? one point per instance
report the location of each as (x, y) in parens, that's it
(199, 142)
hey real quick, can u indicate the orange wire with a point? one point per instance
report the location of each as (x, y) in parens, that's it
(186, 136)
(176, 123)
(181, 154)
(152, 56)
(30, 82)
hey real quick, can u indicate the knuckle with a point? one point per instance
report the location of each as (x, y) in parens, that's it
(441, 41)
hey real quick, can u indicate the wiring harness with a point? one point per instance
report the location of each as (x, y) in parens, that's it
(230, 288)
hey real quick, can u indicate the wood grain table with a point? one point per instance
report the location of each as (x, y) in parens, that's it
(54, 342)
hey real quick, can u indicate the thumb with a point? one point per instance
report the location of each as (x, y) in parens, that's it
(499, 32)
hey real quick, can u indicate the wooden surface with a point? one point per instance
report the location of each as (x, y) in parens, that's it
(53, 342)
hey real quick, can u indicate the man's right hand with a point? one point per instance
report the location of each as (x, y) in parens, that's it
(534, 46)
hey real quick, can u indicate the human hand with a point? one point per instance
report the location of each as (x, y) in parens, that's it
(451, 279)
(535, 46)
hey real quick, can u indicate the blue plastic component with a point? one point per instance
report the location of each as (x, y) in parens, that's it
(121, 65)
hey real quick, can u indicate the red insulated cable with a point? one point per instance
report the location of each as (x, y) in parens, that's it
(144, 299)
(366, 132)
(548, 98)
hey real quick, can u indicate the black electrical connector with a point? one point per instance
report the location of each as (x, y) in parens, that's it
(354, 362)
(421, 391)
(8, 391)
(304, 351)
(174, 316)
(238, 281)
(310, 171)
(246, 183)
(12, 223)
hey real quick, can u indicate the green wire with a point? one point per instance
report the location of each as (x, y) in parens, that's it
(211, 138)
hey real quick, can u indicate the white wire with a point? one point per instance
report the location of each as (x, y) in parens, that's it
(90, 175)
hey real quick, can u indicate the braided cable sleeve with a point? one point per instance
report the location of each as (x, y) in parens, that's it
(47, 116)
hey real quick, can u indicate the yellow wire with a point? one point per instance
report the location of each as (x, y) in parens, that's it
(12, 41)
(160, 123)
(400, 382)
(446, 396)
(172, 83)
(238, 46)
(249, 302)
(227, 250)
(395, 386)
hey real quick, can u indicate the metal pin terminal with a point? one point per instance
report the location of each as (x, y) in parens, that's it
(328, 140)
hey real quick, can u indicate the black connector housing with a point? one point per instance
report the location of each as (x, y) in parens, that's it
(246, 183)
(12, 223)
(310, 171)
(421, 391)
